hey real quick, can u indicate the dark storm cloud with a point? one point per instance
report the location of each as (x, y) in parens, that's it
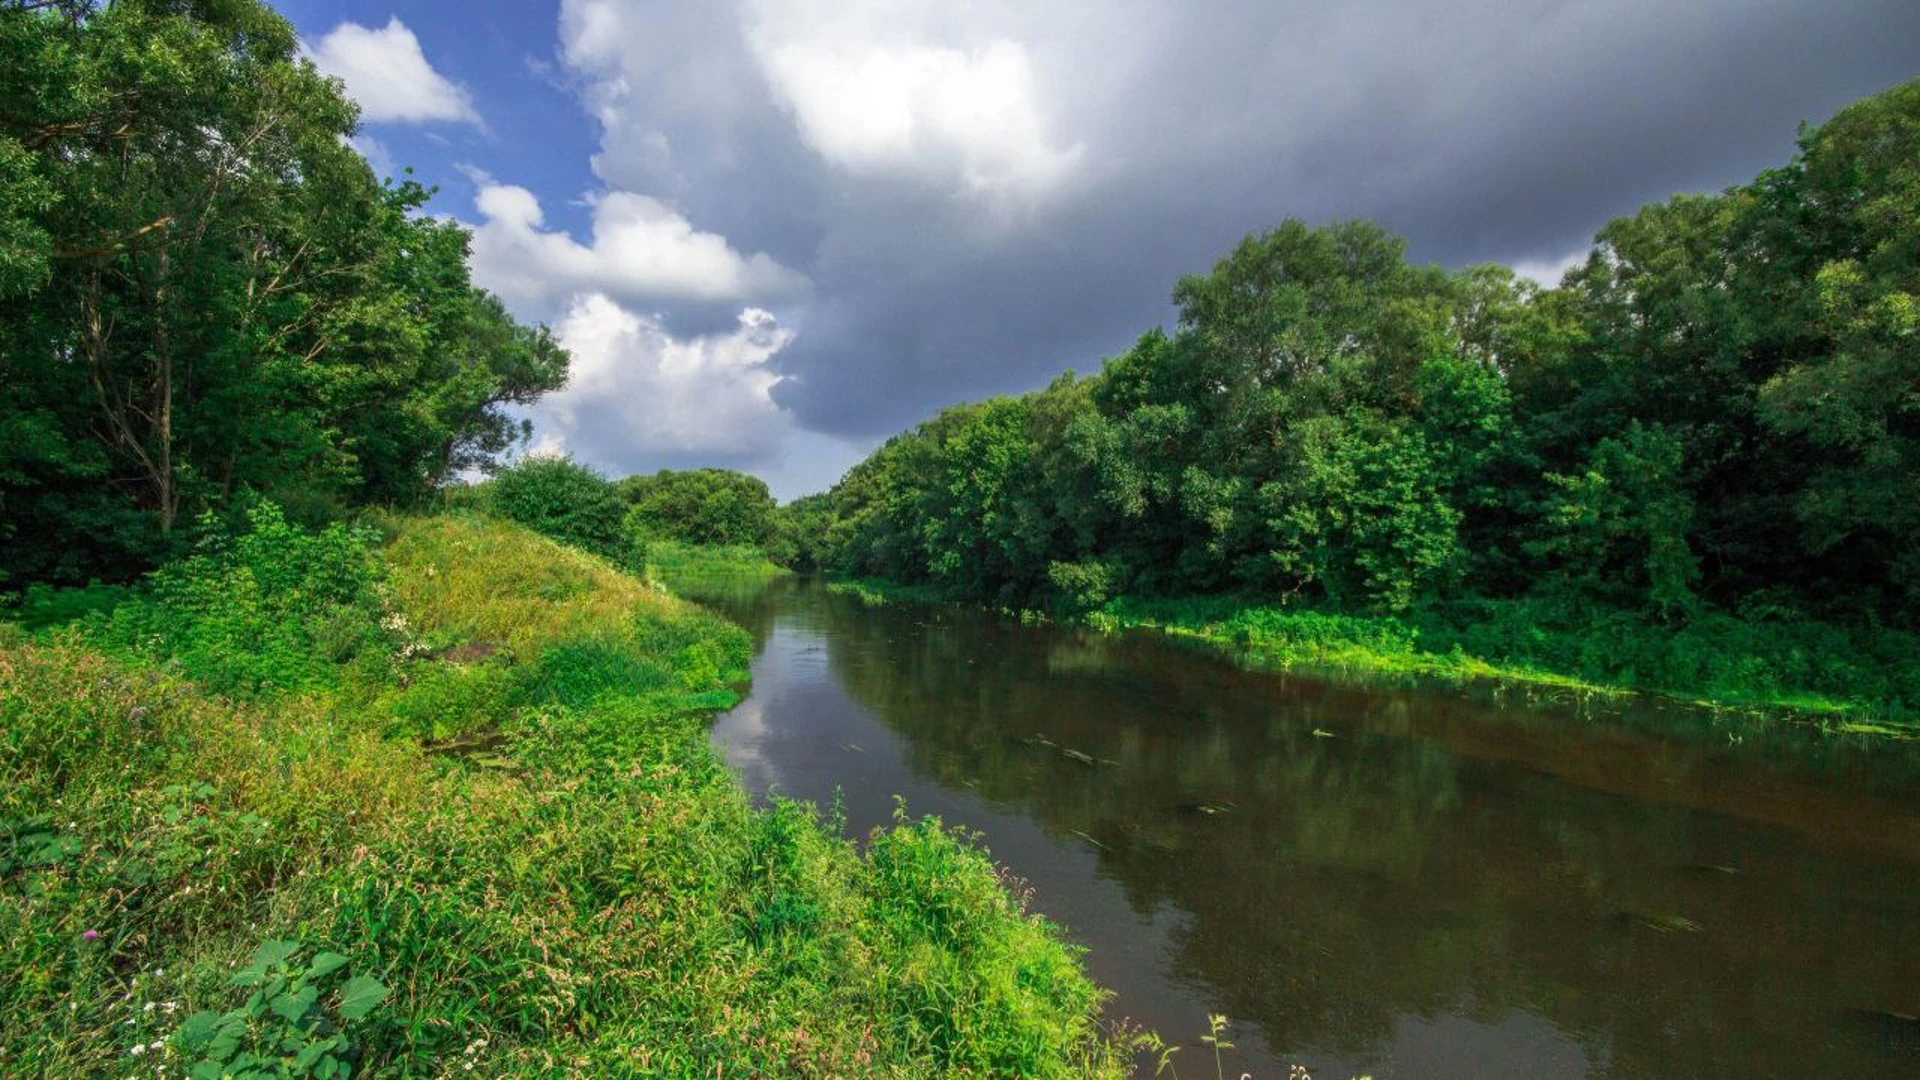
(1479, 131)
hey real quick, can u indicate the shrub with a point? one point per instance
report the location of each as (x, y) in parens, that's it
(570, 502)
(276, 608)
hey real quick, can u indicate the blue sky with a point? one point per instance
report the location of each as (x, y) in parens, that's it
(772, 232)
(502, 54)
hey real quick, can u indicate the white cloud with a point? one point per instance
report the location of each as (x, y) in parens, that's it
(636, 391)
(389, 76)
(1547, 272)
(641, 251)
(874, 89)
(375, 151)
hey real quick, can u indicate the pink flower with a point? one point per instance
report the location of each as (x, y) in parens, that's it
(90, 934)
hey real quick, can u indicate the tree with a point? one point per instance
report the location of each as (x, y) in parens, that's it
(702, 506)
(204, 293)
(1836, 233)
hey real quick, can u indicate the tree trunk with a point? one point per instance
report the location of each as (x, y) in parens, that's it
(166, 495)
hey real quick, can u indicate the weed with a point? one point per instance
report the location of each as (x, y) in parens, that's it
(295, 1024)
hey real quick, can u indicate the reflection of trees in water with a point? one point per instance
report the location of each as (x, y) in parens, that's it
(1336, 883)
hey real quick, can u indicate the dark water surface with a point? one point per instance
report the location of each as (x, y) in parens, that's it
(1400, 882)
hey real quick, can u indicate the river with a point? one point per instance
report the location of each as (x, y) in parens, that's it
(1396, 882)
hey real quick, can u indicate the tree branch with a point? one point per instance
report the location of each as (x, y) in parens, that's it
(113, 246)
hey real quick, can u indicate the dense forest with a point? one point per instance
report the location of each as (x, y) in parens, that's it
(207, 297)
(1711, 427)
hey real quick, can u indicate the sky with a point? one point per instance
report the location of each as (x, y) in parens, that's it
(774, 232)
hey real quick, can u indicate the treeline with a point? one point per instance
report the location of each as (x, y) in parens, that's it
(1718, 412)
(207, 298)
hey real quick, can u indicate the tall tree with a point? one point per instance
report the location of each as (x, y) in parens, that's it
(1837, 239)
(204, 292)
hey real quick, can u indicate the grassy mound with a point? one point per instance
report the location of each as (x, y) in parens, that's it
(483, 830)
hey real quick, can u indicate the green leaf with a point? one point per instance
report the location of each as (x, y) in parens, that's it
(227, 1039)
(295, 1005)
(306, 1059)
(196, 1030)
(324, 964)
(274, 952)
(360, 995)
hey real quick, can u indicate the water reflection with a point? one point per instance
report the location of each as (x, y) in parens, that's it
(1398, 882)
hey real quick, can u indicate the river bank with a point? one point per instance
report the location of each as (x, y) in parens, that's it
(441, 800)
(1842, 681)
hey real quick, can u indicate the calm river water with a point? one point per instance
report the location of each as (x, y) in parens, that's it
(1408, 883)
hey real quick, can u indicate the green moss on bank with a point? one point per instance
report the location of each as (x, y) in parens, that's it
(497, 802)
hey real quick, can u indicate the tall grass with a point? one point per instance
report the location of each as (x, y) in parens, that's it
(671, 559)
(1791, 667)
(499, 806)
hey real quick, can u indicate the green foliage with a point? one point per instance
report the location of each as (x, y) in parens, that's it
(1358, 514)
(702, 507)
(1622, 525)
(276, 608)
(206, 295)
(570, 502)
(42, 606)
(799, 540)
(974, 962)
(294, 1024)
(1850, 262)
(675, 561)
(1082, 586)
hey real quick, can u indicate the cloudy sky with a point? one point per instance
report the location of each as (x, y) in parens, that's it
(773, 232)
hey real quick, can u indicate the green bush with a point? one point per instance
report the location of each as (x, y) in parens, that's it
(1083, 586)
(276, 608)
(701, 506)
(570, 502)
(42, 606)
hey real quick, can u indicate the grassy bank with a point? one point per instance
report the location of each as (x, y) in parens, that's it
(669, 559)
(445, 803)
(1851, 680)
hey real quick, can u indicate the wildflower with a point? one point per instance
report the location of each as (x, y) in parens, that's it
(89, 935)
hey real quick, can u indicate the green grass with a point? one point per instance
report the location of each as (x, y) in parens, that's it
(1860, 682)
(668, 560)
(500, 806)
(874, 591)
